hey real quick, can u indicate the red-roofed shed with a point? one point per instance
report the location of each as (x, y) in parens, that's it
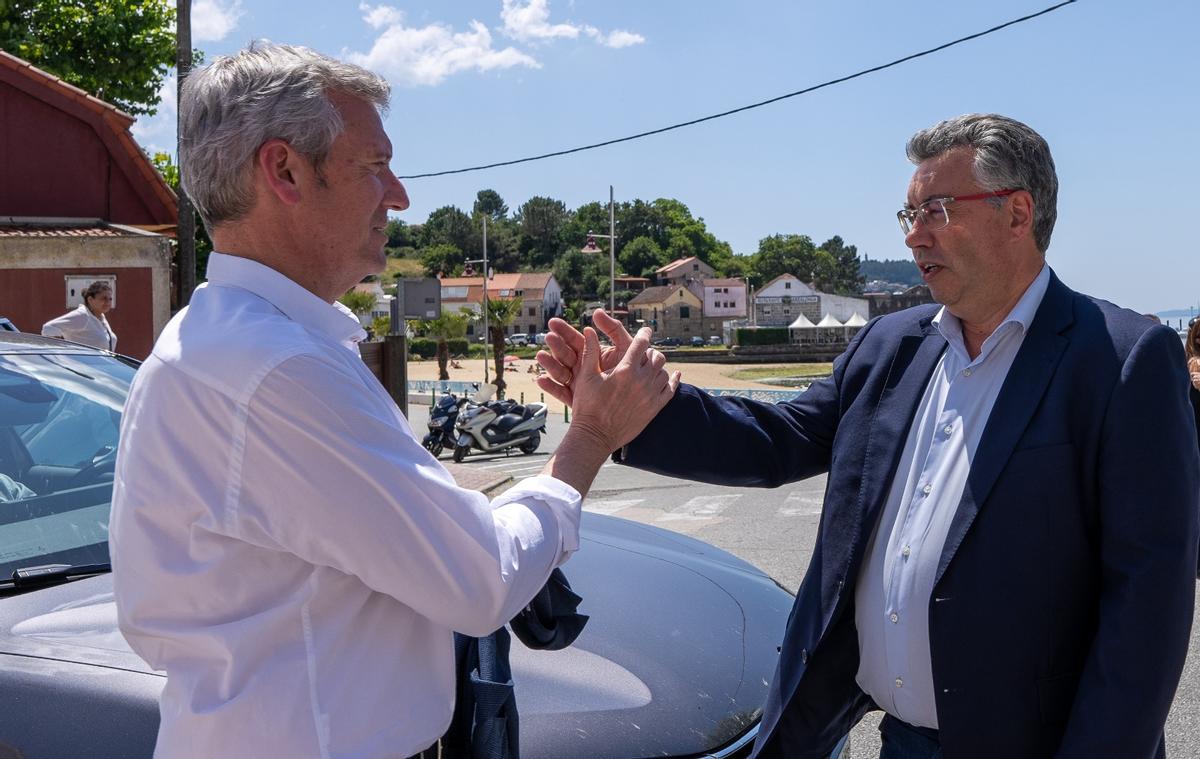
(78, 198)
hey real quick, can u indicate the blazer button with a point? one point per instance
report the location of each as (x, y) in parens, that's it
(804, 656)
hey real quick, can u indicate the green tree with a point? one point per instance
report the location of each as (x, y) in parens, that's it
(641, 256)
(448, 326)
(117, 50)
(542, 223)
(501, 312)
(380, 326)
(401, 235)
(358, 301)
(170, 172)
(490, 203)
(442, 259)
(449, 225)
(846, 278)
(785, 254)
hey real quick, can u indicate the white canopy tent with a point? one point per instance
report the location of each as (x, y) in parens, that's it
(802, 330)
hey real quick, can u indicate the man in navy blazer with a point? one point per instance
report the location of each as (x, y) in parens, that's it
(1007, 552)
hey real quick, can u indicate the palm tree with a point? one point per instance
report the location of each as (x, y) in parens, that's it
(447, 327)
(358, 301)
(501, 313)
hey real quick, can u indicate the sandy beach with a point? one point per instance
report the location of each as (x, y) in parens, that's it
(520, 380)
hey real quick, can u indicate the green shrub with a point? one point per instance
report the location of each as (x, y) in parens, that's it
(426, 347)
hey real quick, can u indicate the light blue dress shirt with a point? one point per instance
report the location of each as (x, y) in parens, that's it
(894, 589)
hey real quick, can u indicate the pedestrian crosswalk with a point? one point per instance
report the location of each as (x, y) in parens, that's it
(704, 508)
(680, 508)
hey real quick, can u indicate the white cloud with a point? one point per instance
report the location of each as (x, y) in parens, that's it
(529, 21)
(621, 38)
(383, 15)
(428, 54)
(157, 133)
(213, 20)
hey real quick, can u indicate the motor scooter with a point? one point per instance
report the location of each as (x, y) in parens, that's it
(499, 426)
(441, 423)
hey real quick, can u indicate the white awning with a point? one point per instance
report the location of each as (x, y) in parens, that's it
(802, 322)
(828, 321)
(856, 321)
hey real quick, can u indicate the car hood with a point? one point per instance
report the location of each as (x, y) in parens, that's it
(675, 659)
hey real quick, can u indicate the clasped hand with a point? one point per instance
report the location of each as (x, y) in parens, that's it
(614, 390)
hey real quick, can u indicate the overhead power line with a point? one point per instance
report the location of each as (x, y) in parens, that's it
(760, 104)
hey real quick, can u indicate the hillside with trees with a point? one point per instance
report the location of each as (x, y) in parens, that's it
(902, 272)
(543, 234)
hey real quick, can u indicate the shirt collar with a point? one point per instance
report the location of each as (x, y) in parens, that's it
(333, 320)
(1021, 316)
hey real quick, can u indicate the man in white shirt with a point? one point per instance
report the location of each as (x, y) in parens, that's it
(283, 547)
(1006, 558)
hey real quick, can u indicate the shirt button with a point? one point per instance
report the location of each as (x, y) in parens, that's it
(927, 489)
(948, 429)
(899, 682)
(966, 372)
(906, 552)
(894, 617)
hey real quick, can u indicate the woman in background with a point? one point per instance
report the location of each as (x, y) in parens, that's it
(86, 324)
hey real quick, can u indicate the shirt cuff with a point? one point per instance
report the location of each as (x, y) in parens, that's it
(564, 501)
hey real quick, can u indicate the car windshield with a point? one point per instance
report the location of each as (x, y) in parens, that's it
(60, 416)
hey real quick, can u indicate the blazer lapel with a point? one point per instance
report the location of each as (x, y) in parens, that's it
(1019, 397)
(914, 362)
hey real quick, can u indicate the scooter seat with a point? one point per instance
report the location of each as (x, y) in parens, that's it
(507, 422)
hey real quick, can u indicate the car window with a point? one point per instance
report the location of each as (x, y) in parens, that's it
(60, 419)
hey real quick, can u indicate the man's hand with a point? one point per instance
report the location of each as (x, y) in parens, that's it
(612, 405)
(565, 345)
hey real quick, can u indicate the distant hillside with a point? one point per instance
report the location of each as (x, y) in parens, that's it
(903, 272)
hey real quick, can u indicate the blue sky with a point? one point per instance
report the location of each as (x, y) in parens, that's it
(1114, 88)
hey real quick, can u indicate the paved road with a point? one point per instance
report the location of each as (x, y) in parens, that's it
(775, 530)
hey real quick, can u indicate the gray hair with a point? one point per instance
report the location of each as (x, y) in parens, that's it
(1008, 154)
(228, 109)
(97, 287)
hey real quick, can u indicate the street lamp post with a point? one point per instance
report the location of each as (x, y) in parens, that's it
(486, 336)
(612, 250)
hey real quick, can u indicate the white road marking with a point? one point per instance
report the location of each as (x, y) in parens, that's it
(799, 504)
(700, 507)
(609, 507)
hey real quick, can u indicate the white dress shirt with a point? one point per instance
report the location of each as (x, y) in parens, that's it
(82, 326)
(895, 586)
(284, 548)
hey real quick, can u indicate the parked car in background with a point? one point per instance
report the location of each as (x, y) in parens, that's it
(667, 342)
(517, 338)
(715, 340)
(538, 338)
(674, 661)
(697, 341)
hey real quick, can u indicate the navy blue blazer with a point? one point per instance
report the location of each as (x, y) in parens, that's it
(1061, 613)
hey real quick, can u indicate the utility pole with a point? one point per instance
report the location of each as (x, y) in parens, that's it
(487, 338)
(185, 230)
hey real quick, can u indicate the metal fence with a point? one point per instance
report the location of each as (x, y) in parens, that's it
(458, 387)
(755, 394)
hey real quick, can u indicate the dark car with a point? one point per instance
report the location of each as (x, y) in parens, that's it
(674, 661)
(697, 341)
(667, 342)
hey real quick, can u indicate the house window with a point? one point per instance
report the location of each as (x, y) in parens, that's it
(532, 329)
(787, 311)
(533, 311)
(767, 310)
(684, 312)
(787, 285)
(695, 267)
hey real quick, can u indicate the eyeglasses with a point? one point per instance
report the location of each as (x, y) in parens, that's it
(935, 213)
